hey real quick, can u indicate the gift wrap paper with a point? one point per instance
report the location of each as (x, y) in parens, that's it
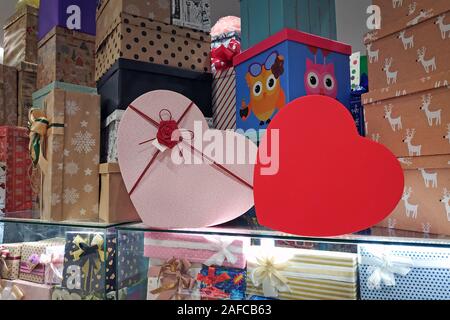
(132, 265)
(66, 56)
(10, 255)
(224, 99)
(302, 274)
(8, 96)
(411, 273)
(70, 180)
(33, 271)
(20, 37)
(26, 88)
(221, 283)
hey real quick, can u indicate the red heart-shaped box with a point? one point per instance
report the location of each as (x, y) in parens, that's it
(330, 181)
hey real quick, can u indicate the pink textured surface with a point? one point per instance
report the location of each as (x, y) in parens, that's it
(179, 196)
(193, 255)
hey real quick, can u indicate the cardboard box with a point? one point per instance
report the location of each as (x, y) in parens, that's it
(135, 38)
(69, 162)
(261, 19)
(63, 13)
(26, 86)
(289, 65)
(115, 203)
(66, 56)
(109, 10)
(15, 156)
(194, 14)
(20, 37)
(127, 80)
(8, 96)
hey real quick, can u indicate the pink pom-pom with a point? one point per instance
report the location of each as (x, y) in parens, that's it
(226, 25)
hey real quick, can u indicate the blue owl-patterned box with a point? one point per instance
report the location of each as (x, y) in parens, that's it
(284, 67)
(404, 272)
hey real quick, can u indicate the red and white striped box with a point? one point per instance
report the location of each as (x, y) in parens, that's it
(224, 99)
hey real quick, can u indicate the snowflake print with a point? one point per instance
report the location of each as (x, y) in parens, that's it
(83, 212)
(83, 142)
(71, 196)
(88, 172)
(72, 108)
(88, 188)
(66, 153)
(96, 159)
(84, 124)
(95, 209)
(56, 199)
(56, 145)
(60, 166)
(72, 168)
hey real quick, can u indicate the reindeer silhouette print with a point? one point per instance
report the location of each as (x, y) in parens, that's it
(397, 3)
(427, 64)
(412, 8)
(412, 149)
(447, 137)
(390, 75)
(444, 28)
(373, 55)
(423, 14)
(446, 201)
(410, 209)
(432, 116)
(429, 178)
(396, 123)
(408, 42)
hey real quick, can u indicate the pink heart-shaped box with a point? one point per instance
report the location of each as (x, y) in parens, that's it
(171, 195)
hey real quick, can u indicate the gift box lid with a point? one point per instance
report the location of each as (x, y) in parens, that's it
(40, 94)
(19, 14)
(74, 34)
(107, 168)
(294, 36)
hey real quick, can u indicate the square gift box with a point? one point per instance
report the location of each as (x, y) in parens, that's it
(10, 255)
(8, 95)
(132, 266)
(404, 272)
(221, 283)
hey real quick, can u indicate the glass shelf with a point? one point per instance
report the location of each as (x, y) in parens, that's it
(371, 236)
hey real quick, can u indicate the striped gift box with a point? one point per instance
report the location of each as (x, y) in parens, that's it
(302, 274)
(224, 99)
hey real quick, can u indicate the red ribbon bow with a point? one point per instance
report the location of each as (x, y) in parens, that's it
(211, 280)
(222, 57)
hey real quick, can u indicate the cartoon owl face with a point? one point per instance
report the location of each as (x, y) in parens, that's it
(320, 79)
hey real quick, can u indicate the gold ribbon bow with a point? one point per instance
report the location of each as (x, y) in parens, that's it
(268, 273)
(173, 278)
(4, 253)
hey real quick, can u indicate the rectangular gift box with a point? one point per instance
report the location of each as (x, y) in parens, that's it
(71, 14)
(31, 291)
(136, 38)
(10, 255)
(66, 56)
(115, 203)
(132, 266)
(221, 283)
(70, 180)
(403, 272)
(263, 18)
(224, 99)
(8, 95)
(302, 274)
(208, 250)
(39, 96)
(289, 64)
(26, 86)
(20, 37)
(194, 14)
(15, 156)
(54, 260)
(127, 80)
(110, 128)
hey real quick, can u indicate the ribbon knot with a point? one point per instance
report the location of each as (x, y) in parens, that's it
(52, 260)
(268, 273)
(223, 248)
(33, 261)
(211, 280)
(222, 56)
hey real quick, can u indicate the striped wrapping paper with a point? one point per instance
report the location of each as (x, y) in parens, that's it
(310, 274)
(224, 99)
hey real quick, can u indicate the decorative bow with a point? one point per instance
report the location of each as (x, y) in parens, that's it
(33, 261)
(210, 281)
(173, 279)
(223, 248)
(10, 293)
(384, 266)
(4, 254)
(268, 273)
(222, 56)
(52, 260)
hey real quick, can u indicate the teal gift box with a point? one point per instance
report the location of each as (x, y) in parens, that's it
(39, 96)
(263, 18)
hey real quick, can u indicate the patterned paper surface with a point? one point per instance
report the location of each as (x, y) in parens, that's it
(224, 99)
(10, 254)
(8, 96)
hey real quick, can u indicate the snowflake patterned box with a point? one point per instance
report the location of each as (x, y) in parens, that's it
(10, 255)
(221, 283)
(39, 96)
(8, 95)
(70, 160)
(66, 56)
(284, 67)
(15, 156)
(207, 250)
(404, 273)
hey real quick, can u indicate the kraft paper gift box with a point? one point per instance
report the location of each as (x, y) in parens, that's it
(221, 283)
(16, 159)
(115, 202)
(261, 19)
(71, 14)
(10, 255)
(84, 263)
(20, 37)
(194, 14)
(298, 274)
(197, 249)
(26, 86)
(405, 50)
(70, 160)
(66, 56)
(141, 39)
(127, 80)
(266, 74)
(8, 96)
(31, 291)
(403, 272)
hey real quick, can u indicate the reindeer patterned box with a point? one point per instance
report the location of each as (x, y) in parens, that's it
(284, 67)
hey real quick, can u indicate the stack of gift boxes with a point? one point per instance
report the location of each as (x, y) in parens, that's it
(408, 108)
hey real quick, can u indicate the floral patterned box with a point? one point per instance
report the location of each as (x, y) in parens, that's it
(220, 283)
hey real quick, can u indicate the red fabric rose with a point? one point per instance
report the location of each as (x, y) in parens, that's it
(166, 133)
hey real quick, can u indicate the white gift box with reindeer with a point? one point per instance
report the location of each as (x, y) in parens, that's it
(298, 274)
(404, 273)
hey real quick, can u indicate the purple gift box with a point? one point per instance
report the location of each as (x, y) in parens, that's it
(71, 14)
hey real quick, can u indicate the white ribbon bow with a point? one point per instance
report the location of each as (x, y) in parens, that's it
(268, 274)
(384, 266)
(223, 248)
